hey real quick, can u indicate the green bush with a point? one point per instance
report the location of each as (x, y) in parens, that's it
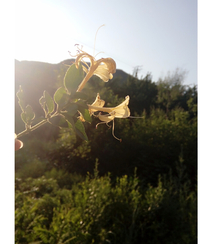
(98, 210)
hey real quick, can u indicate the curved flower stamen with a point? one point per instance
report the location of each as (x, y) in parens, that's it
(106, 118)
(113, 132)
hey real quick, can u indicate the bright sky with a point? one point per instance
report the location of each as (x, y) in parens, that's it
(158, 35)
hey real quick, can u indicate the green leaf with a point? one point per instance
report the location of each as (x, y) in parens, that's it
(70, 125)
(80, 130)
(20, 93)
(61, 97)
(30, 115)
(78, 127)
(49, 102)
(23, 117)
(85, 113)
(20, 96)
(59, 121)
(42, 102)
(72, 109)
(70, 121)
(68, 117)
(73, 78)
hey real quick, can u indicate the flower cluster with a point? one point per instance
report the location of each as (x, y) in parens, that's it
(120, 111)
(69, 105)
(103, 68)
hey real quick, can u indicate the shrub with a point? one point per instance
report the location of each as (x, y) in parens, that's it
(99, 211)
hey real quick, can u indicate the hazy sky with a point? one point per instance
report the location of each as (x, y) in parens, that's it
(158, 35)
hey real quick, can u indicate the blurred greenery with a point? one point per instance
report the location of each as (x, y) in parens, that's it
(144, 188)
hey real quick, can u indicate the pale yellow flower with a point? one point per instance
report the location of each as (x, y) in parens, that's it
(120, 111)
(97, 103)
(106, 118)
(103, 68)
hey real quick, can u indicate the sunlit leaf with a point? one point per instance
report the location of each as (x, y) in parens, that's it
(23, 117)
(20, 93)
(61, 97)
(73, 78)
(20, 96)
(70, 125)
(28, 115)
(68, 117)
(81, 104)
(49, 102)
(42, 102)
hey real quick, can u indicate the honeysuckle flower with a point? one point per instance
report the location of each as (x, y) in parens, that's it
(97, 103)
(106, 118)
(120, 111)
(103, 68)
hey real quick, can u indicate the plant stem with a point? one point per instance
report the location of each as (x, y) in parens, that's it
(32, 128)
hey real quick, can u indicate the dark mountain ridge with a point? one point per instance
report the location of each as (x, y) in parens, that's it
(35, 77)
(47, 72)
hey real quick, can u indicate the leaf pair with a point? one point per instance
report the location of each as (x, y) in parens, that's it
(47, 103)
(27, 114)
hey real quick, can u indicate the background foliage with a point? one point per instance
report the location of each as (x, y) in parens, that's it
(62, 198)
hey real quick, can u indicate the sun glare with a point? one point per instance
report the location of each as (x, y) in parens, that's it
(42, 32)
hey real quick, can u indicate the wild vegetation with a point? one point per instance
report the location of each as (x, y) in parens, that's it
(140, 190)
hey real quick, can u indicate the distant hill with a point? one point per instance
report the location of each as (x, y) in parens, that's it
(35, 76)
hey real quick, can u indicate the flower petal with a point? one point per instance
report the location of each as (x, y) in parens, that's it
(105, 71)
(122, 110)
(106, 117)
(97, 103)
